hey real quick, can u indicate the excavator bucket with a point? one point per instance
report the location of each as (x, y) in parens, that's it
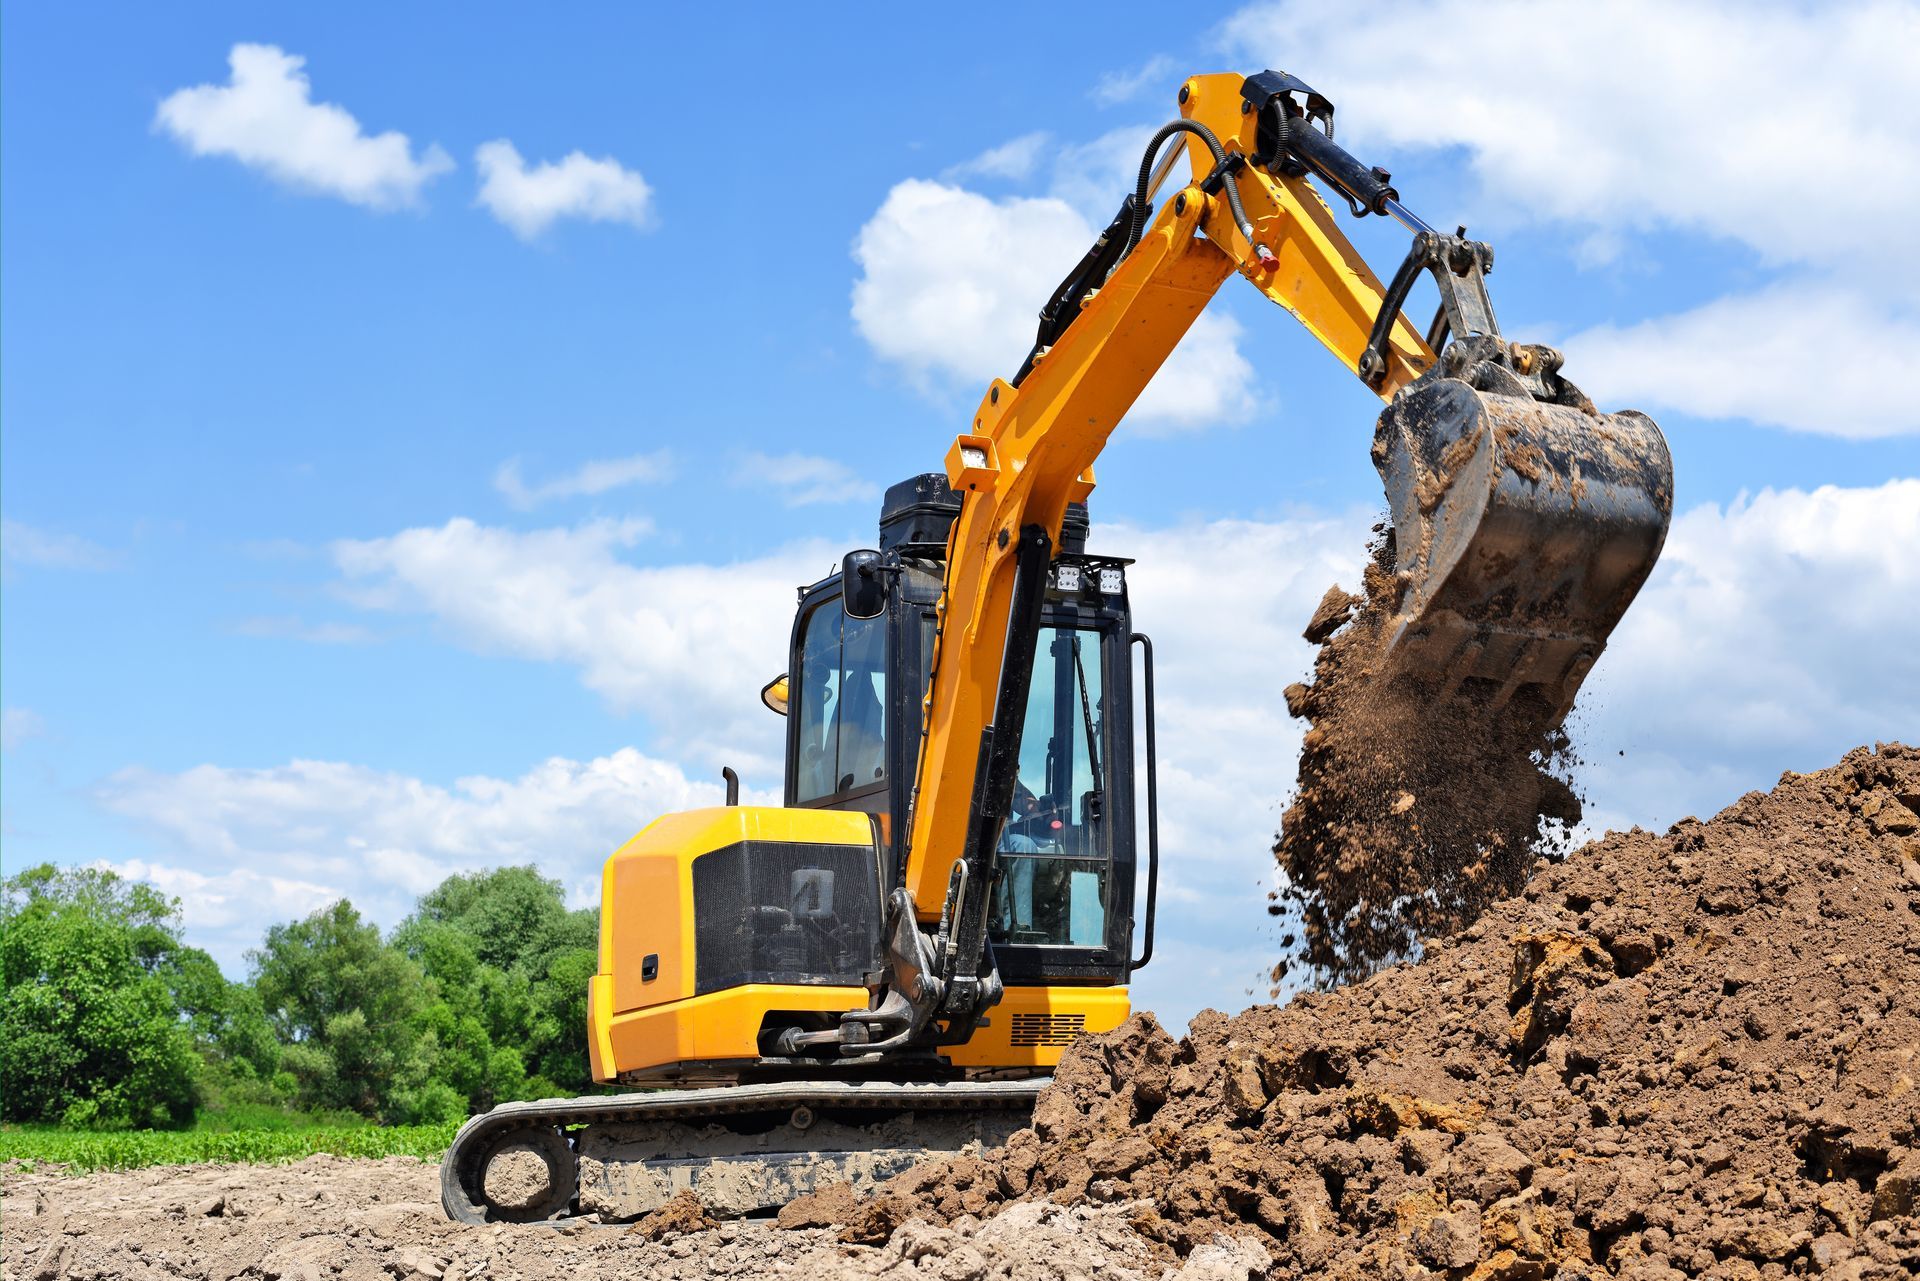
(1523, 528)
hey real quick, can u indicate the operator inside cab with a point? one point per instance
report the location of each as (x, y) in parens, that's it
(1053, 850)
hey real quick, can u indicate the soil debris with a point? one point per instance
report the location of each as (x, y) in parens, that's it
(1410, 815)
(1688, 1055)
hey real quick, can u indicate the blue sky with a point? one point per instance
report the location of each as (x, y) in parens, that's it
(379, 506)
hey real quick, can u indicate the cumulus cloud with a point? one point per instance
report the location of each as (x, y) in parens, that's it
(687, 645)
(23, 544)
(590, 478)
(1774, 634)
(1689, 145)
(803, 480)
(265, 118)
(1806, 357)
(227, 912)
(951, 281)
(529, 199)
(253, 846)
(1699, 144)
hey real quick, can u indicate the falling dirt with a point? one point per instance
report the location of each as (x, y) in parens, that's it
(1689, 1055)
(1411, 815)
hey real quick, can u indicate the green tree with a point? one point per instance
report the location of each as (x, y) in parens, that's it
(509, 964)
(514, 918)
(90, 1032)
(349, 1010)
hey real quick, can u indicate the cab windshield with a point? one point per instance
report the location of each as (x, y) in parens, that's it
(1053, 852)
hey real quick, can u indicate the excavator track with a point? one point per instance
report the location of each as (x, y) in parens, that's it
(743, 1149)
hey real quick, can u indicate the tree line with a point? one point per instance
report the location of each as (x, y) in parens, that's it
(111, 1021)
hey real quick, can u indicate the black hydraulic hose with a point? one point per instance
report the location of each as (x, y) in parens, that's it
(1205, 135)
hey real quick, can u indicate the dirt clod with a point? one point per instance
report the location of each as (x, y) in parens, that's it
(1682, 1055)
(517, 1177)
(682, 1214)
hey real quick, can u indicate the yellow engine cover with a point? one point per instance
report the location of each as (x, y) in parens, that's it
(654, 1013)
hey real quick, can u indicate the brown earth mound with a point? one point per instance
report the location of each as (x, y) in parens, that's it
(1689, 1055)
(1410, 815)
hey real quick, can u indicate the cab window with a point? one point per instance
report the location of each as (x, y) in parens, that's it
(1054, 850)
(842, 703)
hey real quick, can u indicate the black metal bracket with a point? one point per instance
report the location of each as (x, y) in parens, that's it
(1153, 809)
(1459, 267)
(1293, 136)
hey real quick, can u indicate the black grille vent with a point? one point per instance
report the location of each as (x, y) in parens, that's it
(1047, 1029)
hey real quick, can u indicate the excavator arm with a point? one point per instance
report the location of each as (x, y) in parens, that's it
(1248, 209)
(1030, 450)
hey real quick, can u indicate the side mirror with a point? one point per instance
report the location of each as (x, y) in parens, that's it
(863, 592)
(774, 694)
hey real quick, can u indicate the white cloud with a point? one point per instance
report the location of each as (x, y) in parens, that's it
(529, 199)
(18, 724)
(802, 480)
(590, 478)
(23, 544)
(234, 906)
(265, 118)
(951, 282)
(1014, 159)
(1116, 87)
(293, 627)
(1775, 633)
(1725, 100)
(330, 829)
(1807, 357)
(689, 645)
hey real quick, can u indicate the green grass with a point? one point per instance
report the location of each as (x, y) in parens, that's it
(82, 1151)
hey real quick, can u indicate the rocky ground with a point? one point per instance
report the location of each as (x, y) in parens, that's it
(328, 1218)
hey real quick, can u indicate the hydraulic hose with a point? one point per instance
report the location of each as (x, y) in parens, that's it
(1141, 194)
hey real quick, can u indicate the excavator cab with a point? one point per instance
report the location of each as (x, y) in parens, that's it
(861, 659)
(750, 943)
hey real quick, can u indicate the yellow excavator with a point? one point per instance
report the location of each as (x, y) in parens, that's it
(889, 963)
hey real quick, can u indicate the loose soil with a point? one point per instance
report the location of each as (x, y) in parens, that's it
(1680, 1055)
(1411, 815)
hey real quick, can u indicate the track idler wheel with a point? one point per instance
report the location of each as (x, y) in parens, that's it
(527, 1174)
(1523, 529)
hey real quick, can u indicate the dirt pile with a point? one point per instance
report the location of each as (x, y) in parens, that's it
(1689, 1055)
(328, 1218)
(1410, 814)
